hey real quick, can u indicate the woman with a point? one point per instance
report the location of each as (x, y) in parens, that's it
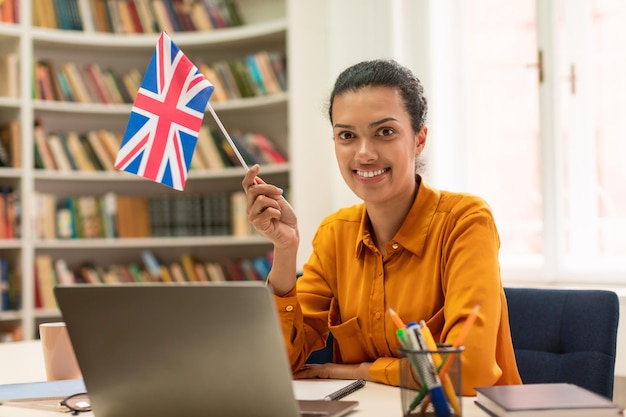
(427, 254)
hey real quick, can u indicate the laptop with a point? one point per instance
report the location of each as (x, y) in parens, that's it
(192, 349)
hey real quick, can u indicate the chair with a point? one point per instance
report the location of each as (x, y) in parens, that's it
(324, 355)
(565, 336)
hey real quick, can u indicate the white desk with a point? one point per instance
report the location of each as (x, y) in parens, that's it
(23, 362)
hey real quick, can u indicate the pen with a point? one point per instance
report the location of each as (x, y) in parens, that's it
(445, 379)
(348, 389)
(428, 372)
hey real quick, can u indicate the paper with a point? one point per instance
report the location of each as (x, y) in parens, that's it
(318, 389)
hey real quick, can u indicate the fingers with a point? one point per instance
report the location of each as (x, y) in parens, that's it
(251, 178)
(261, 195)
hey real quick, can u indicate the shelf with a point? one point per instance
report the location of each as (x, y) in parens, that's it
(10, 316)
(124, 109)
(153, 242)
(10, 30)
(10, 244)
(10, 102)
(11, 173)
(262, 32)
(119, 176)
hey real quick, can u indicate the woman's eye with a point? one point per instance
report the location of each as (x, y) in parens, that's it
(345, 135)
(385, 131)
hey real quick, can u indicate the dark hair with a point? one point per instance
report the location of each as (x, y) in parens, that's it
(384, 73)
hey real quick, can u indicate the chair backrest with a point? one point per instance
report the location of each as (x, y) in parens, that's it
(565, 336)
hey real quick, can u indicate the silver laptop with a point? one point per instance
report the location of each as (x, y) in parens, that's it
(197, 349)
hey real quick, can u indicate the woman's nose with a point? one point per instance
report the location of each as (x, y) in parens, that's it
(365, 152)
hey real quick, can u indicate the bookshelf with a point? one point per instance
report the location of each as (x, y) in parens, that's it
(265, 28)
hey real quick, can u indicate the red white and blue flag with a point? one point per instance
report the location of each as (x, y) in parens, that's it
(164, 122)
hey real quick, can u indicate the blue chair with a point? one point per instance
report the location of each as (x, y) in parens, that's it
(324, 355)
(565, 336)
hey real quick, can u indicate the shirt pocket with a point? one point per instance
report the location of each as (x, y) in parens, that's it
(349, 338)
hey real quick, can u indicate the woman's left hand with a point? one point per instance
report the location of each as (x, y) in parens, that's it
(334, 371)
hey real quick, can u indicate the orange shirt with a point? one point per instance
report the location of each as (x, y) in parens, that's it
(442, 262)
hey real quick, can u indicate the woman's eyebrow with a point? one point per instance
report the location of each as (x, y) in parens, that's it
(381, 121)
(371, 125)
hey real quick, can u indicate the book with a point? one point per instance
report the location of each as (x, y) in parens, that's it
(78, 152)
(10, 140)
(537, 400)
(30, 390)
(240, 225)
(44, 148)
(46, 280)
(9, 79)
(132, 216)
(207, 147)
(61, 158)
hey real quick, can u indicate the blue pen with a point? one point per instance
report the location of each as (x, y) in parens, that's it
(428, 371)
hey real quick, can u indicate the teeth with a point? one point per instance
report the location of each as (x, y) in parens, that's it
(370, 174)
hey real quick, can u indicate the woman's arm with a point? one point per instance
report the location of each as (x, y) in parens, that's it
(273, 217)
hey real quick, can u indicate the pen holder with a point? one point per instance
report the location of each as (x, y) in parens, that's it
(443, 397)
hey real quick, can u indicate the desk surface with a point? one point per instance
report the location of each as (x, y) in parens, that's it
(23, 362)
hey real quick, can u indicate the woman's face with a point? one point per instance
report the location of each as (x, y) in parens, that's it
(375, 144)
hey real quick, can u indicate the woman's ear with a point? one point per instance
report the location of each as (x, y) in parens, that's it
(420, 140)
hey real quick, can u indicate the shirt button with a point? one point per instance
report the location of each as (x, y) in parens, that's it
(289, 308)
(377, 315)
(395, 245)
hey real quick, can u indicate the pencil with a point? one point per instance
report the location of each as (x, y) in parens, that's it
(396, 319)
(469, 322)
(467, 326)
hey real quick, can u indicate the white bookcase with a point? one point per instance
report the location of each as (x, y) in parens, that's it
(266, 28)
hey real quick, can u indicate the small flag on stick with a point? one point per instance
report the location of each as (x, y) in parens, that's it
(164, 122)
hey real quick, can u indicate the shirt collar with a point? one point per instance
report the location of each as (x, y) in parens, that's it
(414, 231)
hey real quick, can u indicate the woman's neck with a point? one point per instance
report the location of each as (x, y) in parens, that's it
(387, 218)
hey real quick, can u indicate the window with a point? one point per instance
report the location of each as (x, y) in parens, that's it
(543, 132)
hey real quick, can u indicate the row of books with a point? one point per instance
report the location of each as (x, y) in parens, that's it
(10, 299)
(70, 151)
(136, 16)
(89, 83)
(49, 272)
(97, 150)
(255, 75)
(122, 216)
(10, 11)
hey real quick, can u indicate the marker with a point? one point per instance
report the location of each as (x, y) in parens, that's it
(428, 372)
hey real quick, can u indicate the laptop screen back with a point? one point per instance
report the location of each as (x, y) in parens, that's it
(197, 349)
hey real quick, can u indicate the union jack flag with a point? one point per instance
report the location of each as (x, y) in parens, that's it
(164, 122)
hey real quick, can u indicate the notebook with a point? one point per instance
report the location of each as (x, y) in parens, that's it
(193, 349)
(534, 400)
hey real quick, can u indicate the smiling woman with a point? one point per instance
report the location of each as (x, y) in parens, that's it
(429, 255)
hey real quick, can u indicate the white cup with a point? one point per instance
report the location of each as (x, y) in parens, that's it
(58, 353)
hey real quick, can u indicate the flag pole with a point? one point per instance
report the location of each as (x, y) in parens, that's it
(230, 141)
